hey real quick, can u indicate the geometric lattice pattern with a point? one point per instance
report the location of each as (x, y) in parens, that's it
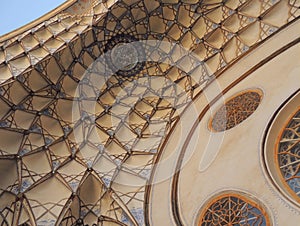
(73, 133)
(125, 56)
(235, 111)
(288, 154)
(233, 210)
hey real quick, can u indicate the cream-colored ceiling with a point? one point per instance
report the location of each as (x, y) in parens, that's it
(78, 142)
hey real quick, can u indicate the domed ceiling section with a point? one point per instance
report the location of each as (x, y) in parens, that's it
(89, 93)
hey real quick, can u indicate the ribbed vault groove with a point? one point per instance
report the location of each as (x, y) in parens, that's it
(59, 166)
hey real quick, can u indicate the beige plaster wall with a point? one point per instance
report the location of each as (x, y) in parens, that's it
(216, 162)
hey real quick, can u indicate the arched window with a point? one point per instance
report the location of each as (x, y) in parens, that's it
(288, 154)
(233, 209)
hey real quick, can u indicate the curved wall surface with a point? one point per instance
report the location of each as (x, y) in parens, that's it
(154, 112)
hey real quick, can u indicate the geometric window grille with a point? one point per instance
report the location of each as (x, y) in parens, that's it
(233, 209)
(235, 111)
(288, 154)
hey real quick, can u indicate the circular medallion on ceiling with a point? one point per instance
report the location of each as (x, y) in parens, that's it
(233, 209)
(282, 150)
(124, 55)
(235, 110)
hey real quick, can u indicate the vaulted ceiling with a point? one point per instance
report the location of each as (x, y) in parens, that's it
(90, 92)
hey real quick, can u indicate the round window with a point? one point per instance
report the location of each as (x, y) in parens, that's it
(282, 150)
(236, 110)
(233, 209)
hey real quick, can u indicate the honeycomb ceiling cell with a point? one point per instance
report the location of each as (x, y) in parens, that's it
(90, 92)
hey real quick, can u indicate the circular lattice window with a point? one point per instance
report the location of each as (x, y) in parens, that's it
(233, 209)
(282, 150)
(288, 154)
(236, 110)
